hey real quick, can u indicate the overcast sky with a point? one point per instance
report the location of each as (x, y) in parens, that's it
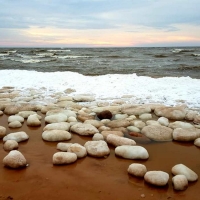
(87, 23)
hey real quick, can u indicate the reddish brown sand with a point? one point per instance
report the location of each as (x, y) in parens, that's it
(92, 178)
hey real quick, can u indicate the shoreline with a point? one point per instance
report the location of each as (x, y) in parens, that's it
(89, 177)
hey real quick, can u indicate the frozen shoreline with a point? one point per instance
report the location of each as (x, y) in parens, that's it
(143, 89)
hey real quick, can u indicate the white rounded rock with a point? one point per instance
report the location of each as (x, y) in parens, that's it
(56, 118)
(97, 148)
(145, 116)
(78, 149)
(84, 129)
(72, 119)
(180, 182)
(62, 158)
(185, 135)
(152, 122)
(106, 133)
(2, 132)
(197, 142)
(133, 128)
(137, 169)
(26, 114)
(163, 121)
(33, 120)
(15, 118)
(63, 146)
(181, 169)
(119, 141)
(56, 135)
(15, 124)
(10, 145)
(97, 137)
(14, 159)
(131, 152)
(57, 126)
(179, 124)
(157, 178)
(17, 136)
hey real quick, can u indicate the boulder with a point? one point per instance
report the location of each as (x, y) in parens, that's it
(57, 126)
(95, 123)
(83, 98)
(118, 123)
(157, 178)
(97, 148)
(119, 141)
(63, 158)
(135, 109)
(63, 146)
(14, 159)
(106, 114)
(10, 145)
(185, 135)
(139, 124)
(17, 136)
(179, 124)
(97, 137)
(56, 135)
(158, 133)
(152, 122)
(180, 182)
(84, 129)
(33, 120)
(175, 113)
(15, 118)
(133, 129)
(26, 114)
(145, 116)
(137, 169)
(2, 132)
(197, 142)
(163, 121)
(106, 133)
(78, 149)
(15, 124)
(131, 152)
(181, 169)
(56, 118)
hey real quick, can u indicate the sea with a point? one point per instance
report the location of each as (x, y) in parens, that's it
(153, 62)
(167, 75)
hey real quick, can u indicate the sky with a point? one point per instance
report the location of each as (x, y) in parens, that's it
(99, 23)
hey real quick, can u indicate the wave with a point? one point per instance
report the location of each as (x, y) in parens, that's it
(160, 56)
(58, 50)
(195, 54)
(72, 57)
(182, 50)
(30, 60)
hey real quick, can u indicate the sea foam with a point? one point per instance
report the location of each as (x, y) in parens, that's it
(143, 89)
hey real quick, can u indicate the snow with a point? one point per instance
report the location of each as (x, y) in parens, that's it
(166, 90)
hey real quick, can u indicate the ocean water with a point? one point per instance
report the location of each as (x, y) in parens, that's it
(153, 62)
(170, 76)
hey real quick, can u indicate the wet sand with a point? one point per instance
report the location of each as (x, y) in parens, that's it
(92, 178)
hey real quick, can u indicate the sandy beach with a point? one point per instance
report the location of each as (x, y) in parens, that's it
(90, 177)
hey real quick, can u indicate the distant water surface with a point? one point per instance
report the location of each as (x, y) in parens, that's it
(153, 62)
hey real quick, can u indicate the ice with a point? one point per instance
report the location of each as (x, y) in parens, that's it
(166, 90)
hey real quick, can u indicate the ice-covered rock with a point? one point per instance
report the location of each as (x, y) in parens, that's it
(63, 146)
(95, 123)
(163, 121)
(180, 124)
(135, 109)
(56, 135)
(106, 133)
(57, 126)
(138, 123)
(137, 169)
(17, 136)
(180, 182)
(157, 178)
(2, 131)
(15, 159)
(15, 118)
(15, 124)
(56, 118)
(33, 120)
(62, 158)
(145, 116)
(133, 129)
(97, 148)
(10, 145)
(197, 142)
(158, 133)
(84, 129)
(97, 137)
(185, 135)
(181, 169)
(78, 149)
(83, 98)
(119, 141)
(152, 122)
(118, 123)
(131, 152)
(25, 114)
